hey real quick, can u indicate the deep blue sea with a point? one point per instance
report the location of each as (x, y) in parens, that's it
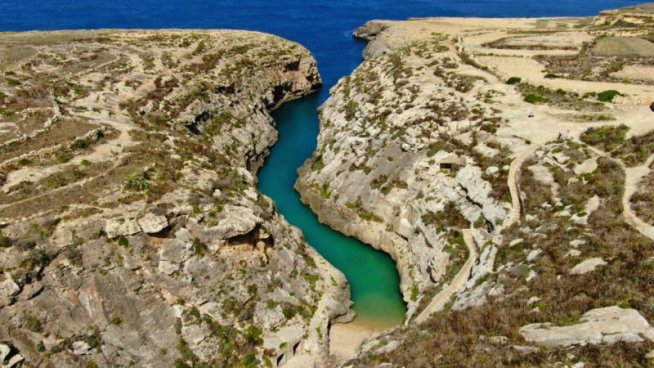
(325, 27)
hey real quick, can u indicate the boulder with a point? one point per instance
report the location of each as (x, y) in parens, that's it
(236, 221)
(62, 236)
(194, 334)
(7, 359)
(171, 255)
(533, 254)
(120, 227)
(152, 224)
(167, 267)
(4, 352)
(603, 325)
(80, 348)
(588, 265)
(8, 288)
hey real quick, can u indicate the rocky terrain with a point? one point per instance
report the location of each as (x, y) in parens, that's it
(132, 233)
(505, 164)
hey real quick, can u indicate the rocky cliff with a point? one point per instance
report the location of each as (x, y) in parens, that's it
(486, 157)
(132, 232)
(407, 156)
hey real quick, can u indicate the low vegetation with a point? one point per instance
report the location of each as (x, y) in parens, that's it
(488, 335)
(607, 138)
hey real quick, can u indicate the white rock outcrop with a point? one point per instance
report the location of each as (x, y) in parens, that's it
(237, 221)
(8, 288)
(152, 224)
(479, 191)
(603, 325)
(7, 360)
(81, 348)
(588, 265)
(171, 255)
(120, 227)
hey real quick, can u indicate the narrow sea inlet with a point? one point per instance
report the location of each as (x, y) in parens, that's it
(167, 260)
(372, 275)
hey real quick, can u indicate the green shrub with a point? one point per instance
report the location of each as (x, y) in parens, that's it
(415, 292)
(36, 258)
(14, 82)
(514, 80)
(535, 99)
(5, 242)
(434, 148)
(63, 156)
(137, 182)
(317, 164)
(186, 355)
(33, 324)
(250, 361)
(80, 144)
(608, 96)
(607, 137)
(351, 109)
(253, 335)
(199, 248)
(123, 242)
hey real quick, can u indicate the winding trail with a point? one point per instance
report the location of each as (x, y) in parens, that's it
(458, 282)
(514, 176)
(633, 176)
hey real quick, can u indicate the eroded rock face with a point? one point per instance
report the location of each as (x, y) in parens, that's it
(237, 221)
(152, 224)
(120, 227)
(603, 325)
(405, 158)
(142, 231)
(458, 123)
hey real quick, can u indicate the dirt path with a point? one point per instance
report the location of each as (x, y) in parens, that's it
(633, 176)
(514, 176)
(458, 282)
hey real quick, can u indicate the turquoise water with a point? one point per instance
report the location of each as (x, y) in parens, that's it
(372, 275)
(325, 27)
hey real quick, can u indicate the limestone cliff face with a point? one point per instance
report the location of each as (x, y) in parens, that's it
(401, 161)
(488, 157)
(132, 230)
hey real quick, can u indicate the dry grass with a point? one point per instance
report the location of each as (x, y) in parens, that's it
(643, 200)
(456, 338)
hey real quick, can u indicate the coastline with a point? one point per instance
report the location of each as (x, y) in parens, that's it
(345, 140)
